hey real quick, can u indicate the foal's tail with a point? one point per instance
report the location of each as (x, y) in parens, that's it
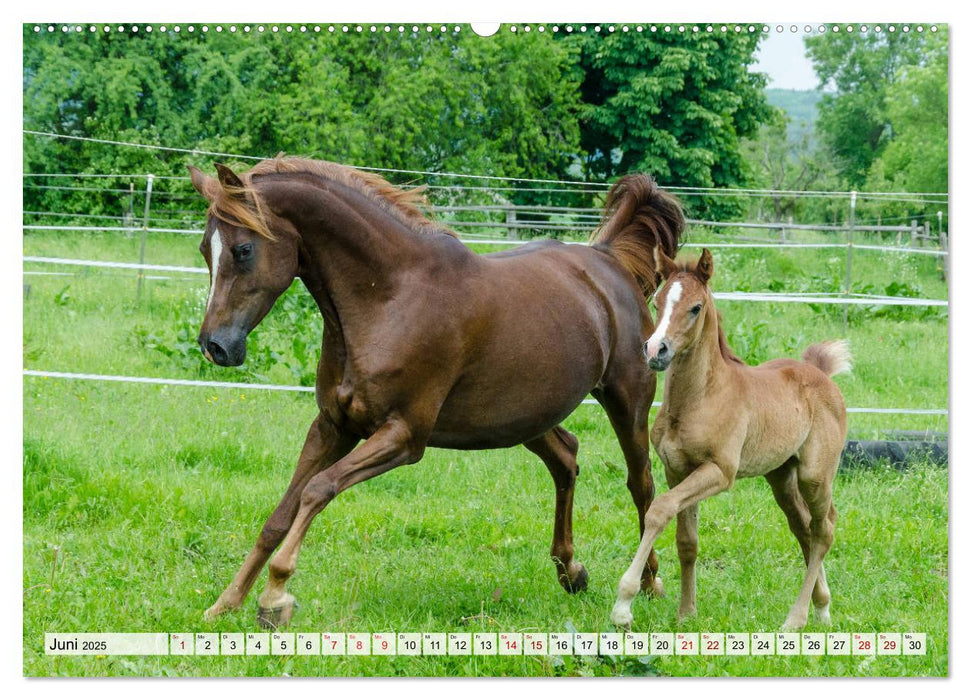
(638, 217)
(831, 356)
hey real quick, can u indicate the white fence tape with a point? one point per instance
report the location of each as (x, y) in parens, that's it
(308, 389)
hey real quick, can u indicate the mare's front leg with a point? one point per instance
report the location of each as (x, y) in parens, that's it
(393, 444)
(703, 482)
(324, 445)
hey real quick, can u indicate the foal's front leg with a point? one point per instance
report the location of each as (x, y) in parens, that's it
(392, 445)
(324, 445)
(703, 482)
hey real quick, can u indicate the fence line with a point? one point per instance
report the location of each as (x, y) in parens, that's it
(518, 225)
(579, 183)
(308, 389)
(780, 297)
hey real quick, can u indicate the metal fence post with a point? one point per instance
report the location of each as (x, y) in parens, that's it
(141, 254)
(849, 259)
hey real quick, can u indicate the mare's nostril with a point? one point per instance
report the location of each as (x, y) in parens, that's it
(217, 352)
(662, 351)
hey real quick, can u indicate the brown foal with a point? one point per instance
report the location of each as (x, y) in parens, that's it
(428, 344)
(721, 420)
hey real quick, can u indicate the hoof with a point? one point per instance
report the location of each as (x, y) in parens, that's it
(276, 617)
(822, 615)
(654, 589)
(579, 582)
(621, 617)
(791, 625)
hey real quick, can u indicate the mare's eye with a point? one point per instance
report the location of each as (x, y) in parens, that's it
(243, 252)
(696, 309)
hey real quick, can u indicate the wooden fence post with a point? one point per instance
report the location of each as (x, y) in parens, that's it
(512, 233)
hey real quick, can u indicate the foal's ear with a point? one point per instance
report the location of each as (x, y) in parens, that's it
(227, 177)
(705, 266)
(205, 185)
(663, 265)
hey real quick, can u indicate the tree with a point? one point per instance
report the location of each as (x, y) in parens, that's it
(915, 156)
(782, 161)
(672, 104)
(422, 101)
(862, 68)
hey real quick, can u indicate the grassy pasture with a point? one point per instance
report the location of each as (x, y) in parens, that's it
(151, 496)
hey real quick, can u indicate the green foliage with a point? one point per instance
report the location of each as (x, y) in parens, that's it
(915, 158)
(503, 106)
(672, 104)
(778, 159)
(863, 69)
(516, 104)
(801, 107)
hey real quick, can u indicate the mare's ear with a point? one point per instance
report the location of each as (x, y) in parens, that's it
(663, 265)
(227, 177)
(205, 185)
(705, 266)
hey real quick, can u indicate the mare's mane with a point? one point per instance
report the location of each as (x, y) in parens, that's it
(639, 218)
(243, 205)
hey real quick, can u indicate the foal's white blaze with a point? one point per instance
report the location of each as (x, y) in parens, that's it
(654, 342)
(215, 251)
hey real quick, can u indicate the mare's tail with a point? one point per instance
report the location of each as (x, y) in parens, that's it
(831, 356)
(638, 217)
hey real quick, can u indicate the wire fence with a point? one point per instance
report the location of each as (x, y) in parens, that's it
(494, 222)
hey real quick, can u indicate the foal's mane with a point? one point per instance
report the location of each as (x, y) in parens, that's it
(243, 204)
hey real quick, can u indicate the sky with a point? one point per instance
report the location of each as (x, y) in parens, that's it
(782, 55)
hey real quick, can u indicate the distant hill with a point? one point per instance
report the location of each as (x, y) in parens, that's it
(800, 105)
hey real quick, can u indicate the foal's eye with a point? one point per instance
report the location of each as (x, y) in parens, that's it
(243, 252)
(696, 309)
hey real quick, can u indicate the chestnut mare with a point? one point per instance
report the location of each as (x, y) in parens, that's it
(721, 419)
(427, 343)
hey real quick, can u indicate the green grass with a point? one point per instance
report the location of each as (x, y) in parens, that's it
(151, 496)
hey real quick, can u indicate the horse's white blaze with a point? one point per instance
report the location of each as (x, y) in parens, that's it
(654, 342)
(215, 251)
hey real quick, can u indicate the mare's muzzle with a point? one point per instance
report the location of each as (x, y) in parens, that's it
(226, 348)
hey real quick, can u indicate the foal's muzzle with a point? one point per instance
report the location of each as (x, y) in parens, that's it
(662, 359)
(227, 349)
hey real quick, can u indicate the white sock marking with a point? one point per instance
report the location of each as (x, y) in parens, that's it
(654, 342)
(216, 249)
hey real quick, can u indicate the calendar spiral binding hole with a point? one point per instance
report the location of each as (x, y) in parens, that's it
(401, 29)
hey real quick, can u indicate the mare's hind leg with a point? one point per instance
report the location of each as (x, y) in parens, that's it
(785, 488)
(814, 476)
(324, 445)
(558, 450)
(627, 405)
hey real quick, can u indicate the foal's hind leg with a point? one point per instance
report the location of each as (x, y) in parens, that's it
(815, 474)
(324, 445)
(627, 405)
(785, 488)
(558, 450)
